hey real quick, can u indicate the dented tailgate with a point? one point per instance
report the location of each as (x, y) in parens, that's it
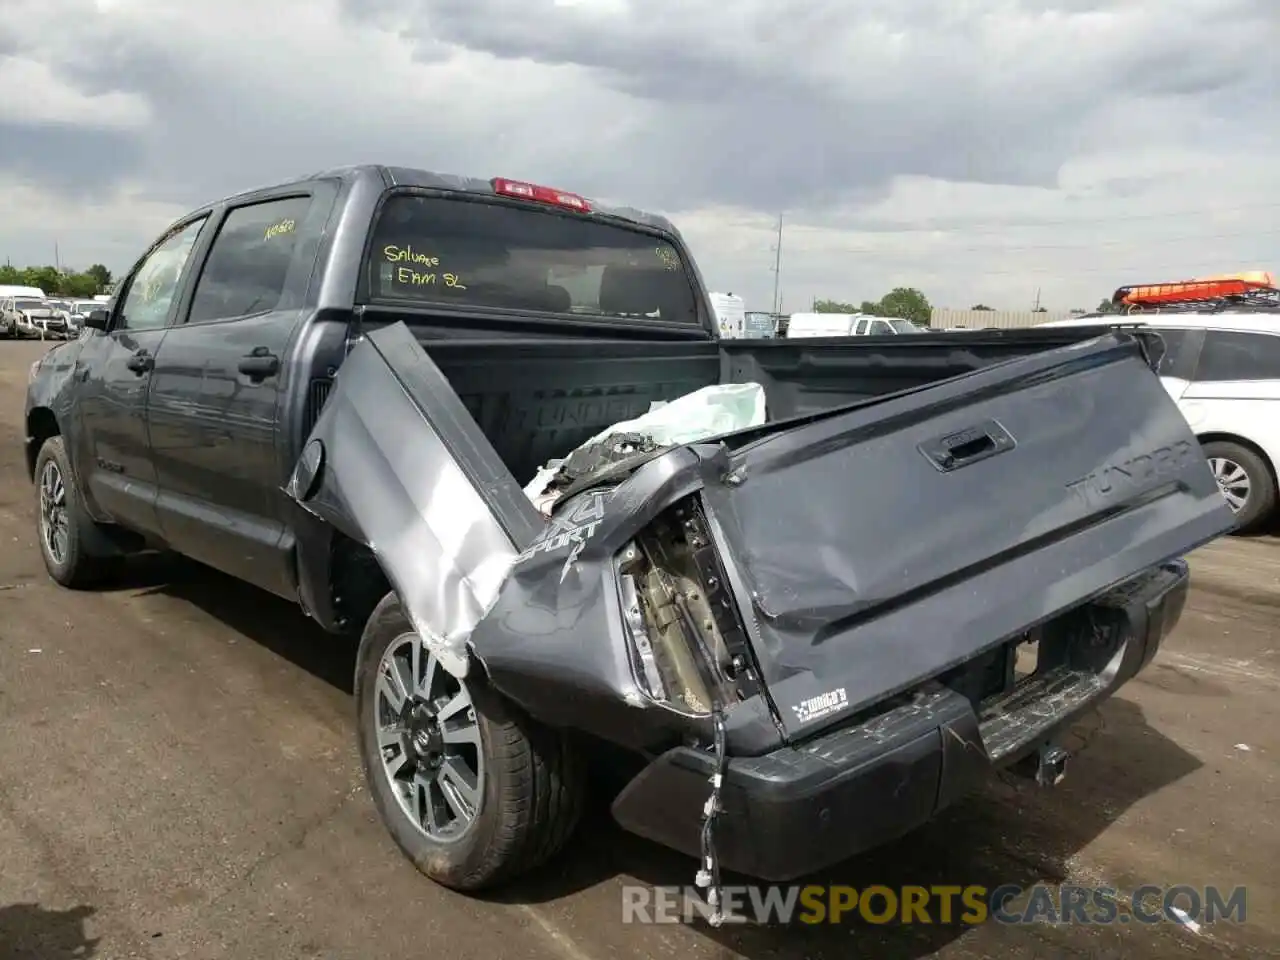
(883, 544)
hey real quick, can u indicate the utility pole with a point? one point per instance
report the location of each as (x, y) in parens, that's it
(57, 261)
(777, 270)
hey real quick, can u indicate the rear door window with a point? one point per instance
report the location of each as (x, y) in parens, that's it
(1230, 355)
(249, 261)
(441, 251)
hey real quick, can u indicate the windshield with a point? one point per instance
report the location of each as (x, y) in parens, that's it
(443, 251)
(29, 305)
(904, 326)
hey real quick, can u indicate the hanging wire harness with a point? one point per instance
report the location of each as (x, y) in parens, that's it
(708, 876)
(688, 648)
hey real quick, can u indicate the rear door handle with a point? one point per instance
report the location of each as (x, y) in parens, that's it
(140, 362)
(259, 364)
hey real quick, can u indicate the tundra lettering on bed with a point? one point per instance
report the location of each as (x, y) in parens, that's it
(786, 606)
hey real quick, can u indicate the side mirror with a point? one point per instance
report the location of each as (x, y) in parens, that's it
(97, 319)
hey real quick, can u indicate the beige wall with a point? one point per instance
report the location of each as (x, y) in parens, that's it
(1005, 319)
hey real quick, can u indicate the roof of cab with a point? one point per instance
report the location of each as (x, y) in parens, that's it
(393, 176)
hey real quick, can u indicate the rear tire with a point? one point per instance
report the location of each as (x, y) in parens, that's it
(1245, 481)
(450, 742)
(64, 530)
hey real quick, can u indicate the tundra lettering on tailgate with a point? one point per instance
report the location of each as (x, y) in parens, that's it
(1115, 478)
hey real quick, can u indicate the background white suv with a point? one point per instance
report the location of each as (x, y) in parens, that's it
(1224, 371)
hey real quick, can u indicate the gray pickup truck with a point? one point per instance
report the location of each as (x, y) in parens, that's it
(803, 637)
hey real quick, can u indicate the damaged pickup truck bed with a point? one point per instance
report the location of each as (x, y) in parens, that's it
(935, 554)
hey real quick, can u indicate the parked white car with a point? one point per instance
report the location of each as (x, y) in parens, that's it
(847, 325)
(76, 311)
(1223, 369)
(30, 317)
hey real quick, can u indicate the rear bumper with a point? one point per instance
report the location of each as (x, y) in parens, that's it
(803, 808)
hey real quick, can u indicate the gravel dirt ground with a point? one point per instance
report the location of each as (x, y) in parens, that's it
(178, 778)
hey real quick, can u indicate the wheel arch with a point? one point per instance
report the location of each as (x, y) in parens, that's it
(41, 425)
(358, 583)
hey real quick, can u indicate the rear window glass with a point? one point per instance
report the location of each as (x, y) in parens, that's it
(443, 251)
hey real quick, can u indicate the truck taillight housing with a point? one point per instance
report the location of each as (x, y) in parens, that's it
(687, 649)
(539, 194)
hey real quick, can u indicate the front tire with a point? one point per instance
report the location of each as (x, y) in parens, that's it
(64, 529)
(473, 792)
(1245, 481)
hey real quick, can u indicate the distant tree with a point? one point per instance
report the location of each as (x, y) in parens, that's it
(82, 285)
(981, 306)
(101, 274)
(58, 283)
(907, 303)
(1106, 306)
(46, 278)
(833, 306)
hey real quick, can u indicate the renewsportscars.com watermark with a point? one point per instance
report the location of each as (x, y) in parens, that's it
(939, 904)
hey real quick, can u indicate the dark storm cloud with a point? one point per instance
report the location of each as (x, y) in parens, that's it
(801, 106)
(78, 161)
(740, 119)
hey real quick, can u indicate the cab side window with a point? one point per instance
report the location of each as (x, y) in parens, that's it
(154, 284)
(1229, 355)
(249, 261)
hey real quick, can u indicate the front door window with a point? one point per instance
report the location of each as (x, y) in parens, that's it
(152, 288)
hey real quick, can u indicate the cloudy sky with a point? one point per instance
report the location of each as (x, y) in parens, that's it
(977, 149)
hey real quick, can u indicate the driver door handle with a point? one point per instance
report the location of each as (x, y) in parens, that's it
(140, 362)
(259, 364)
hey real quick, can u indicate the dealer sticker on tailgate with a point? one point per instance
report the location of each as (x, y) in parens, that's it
(821, 705)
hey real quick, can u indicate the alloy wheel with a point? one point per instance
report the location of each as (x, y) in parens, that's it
(54, 526)
(1233, 481)
(429, 740)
